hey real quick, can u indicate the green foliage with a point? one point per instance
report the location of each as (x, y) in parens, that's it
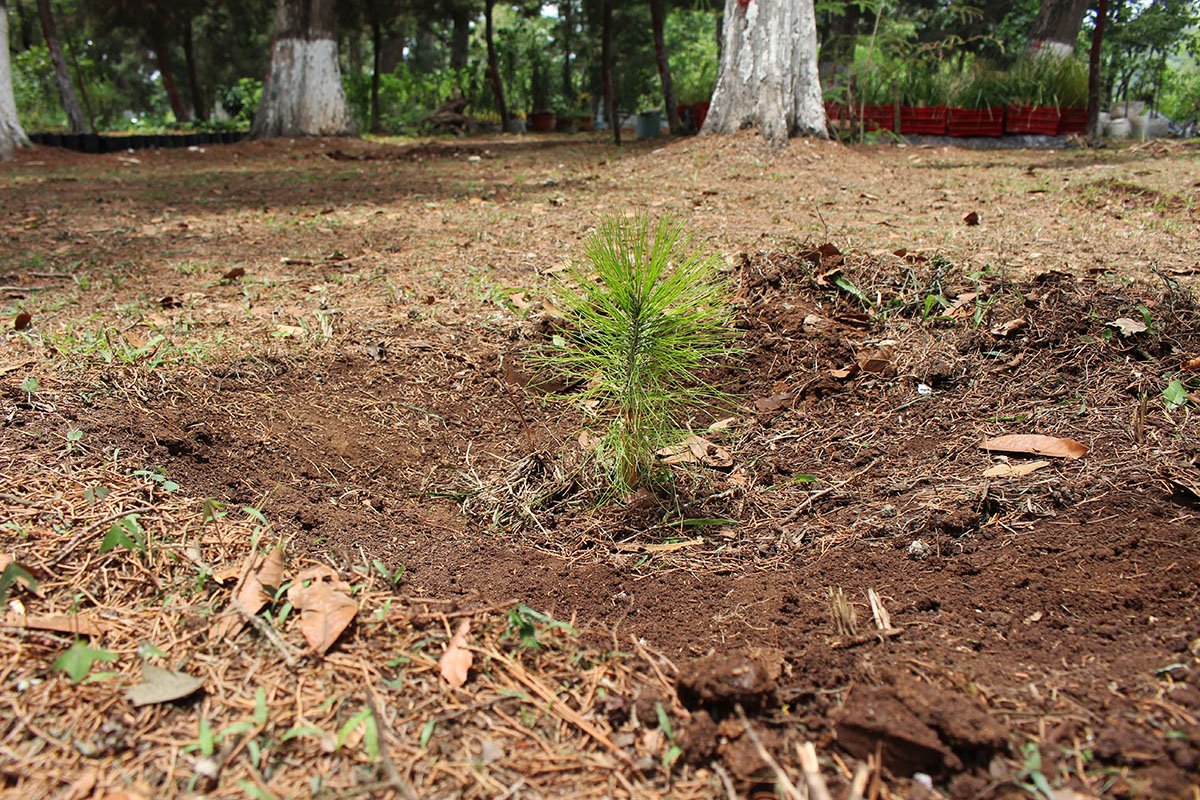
(406, 97)
(240, 99)
(77, 660)
(650, 312)
(1049, 81)
(980, 88)
(12, 573)
(692, 49)
(523, 624)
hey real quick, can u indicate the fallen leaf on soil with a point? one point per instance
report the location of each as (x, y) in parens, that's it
(774, 402)
(845, 372)
(265, 572)
(161, 686)
(1127, 326)
(83, 624)
(695, 450)
(289, 330)
(722, 424)
(234, 274)
(22, 321)
(1014, 470)
(671, 547)
(1192, 364)
(325, 607)
(854, 318)
(456, 662)
(521, 300)
(169, 301)
(971, 218)
(1037, 445)
(1009, 328)
(589, 440)
(961, 305)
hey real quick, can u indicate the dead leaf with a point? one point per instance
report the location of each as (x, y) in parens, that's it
(521, 301)
(168, 302)
(1038, 445)
(774, 402)
(325, 606)
(234, 274)
(1192, 364)
(854, 318)
(671, 547)
(589, 441)
(722, 424)
(161, 686)
(971, 218)
(845, 372)
(1014, 470)
(456, 662)
(267, 571)
(695, 450)
(22, 321)
(1127, 326)
(289, 330)
(1007, 329)
(81, 624)
(961, 305)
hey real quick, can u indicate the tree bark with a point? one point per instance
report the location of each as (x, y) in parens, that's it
(1093, 125)
(66, 86)
(1056, 28)
(24, 26)
(606, 70)
(493, 67)
(460, 36)
(12, 135)
(199, 102)
(567, 9)
(162, 57)
(303, 93)
(376, 61)
(768, 77)
(664, 67)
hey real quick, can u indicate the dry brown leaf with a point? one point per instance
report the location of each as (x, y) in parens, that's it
(671, 547)
(325, 607)
(456, 662)
(22, 321)
(722, 424)
(774, 402)
(1007, 329)
(1037, 445)
(1192, 364)
(1014, 470)
(267, 571)
(962, 304)
(972, 218)
(844, 373)
(695, 450)
(82, 624)
(270, 574)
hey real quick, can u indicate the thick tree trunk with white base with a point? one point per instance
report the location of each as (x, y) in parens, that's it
(303, 93)
(768, 76)
(1056, 28)
(12, 135)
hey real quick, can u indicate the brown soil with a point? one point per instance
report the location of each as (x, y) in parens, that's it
(1057, 608)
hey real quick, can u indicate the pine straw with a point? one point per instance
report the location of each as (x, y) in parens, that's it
(564, 716)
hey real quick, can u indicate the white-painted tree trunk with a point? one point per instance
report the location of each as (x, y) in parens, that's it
(303, 93)
(12, 135)
(768, 77)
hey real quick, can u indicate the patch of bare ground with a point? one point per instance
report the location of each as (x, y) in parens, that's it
(864, 577)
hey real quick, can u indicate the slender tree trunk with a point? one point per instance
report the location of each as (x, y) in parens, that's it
(1094, 70)
(1056, 28)
(12, 135)
(65, 86)
(606, 70)
(303, 94)
(162, 58)
(664, 67)
(24, 26)
(567, 9)
(493, 68)
(199, 102)
(376, 61)
(83, 95)
(460, 36)
(768, 77)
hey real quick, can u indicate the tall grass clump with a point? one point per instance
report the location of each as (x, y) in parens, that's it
(648, 313)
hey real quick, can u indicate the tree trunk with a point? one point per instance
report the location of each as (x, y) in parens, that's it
(1093, 125)
(768, 77)
(606, 70)
(12, 135)
(664, 67)
(303, 94)
(1056, 28)
(493, 67)
(83, 95)
(376, 61)
(65, 86)
(24, 26)
(162, 57)
(567, 9)
(199, 103)
(837, 50)
(460, 37)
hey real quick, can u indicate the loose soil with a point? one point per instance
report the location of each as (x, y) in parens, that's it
(363, 384)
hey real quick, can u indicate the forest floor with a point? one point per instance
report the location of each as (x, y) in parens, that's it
(318, 344)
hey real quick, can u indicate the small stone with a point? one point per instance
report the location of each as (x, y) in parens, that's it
(918, 550)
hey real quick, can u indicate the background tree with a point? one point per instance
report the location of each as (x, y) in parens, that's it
(768, 76)
(303, 94)
(66, 86)
(1056, 28)
(664, 67)
(12, 135)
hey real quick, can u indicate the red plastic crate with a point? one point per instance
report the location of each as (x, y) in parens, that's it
(976, 122)
(1072, 120)
(929, 120)
(1031, 119)
(879, 118)
(834, 110)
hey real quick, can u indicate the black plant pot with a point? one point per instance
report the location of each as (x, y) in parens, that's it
(52, 139)
(71, 141)
(137, 142)
(37, 138)
(89, 143)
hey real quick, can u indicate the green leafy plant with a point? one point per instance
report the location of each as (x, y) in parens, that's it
(649, 312)
(77, 660)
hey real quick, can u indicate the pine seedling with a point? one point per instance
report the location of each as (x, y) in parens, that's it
(650, 312)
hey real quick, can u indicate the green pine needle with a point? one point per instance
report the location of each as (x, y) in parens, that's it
(650, 311)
